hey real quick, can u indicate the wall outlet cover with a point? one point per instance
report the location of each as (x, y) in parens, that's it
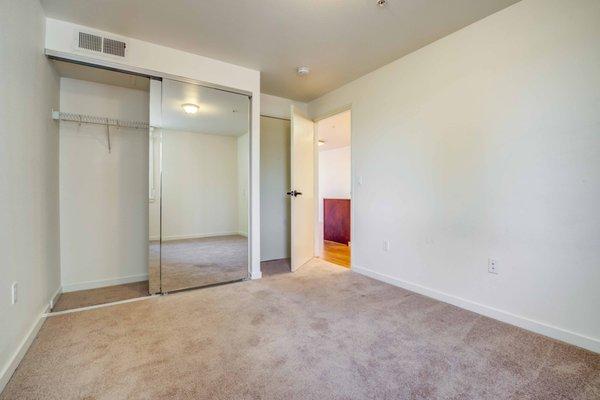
(493, 266)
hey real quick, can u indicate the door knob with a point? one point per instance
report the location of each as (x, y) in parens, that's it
(293, 193)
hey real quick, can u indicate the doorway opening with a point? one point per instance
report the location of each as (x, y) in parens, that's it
(333, 223)
(305, 191)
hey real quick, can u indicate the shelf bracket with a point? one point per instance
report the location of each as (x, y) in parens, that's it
(108, 135)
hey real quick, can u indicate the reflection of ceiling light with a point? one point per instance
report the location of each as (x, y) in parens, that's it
(321, 142)
(303, 71)
(190, 108)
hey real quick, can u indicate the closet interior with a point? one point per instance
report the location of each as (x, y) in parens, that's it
(153, 191)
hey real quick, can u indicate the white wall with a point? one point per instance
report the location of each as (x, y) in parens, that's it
(275, 182)
(335, 177)
(279, 107)
(103, 196)
(29, 236)
(164, 60)
(199, 185)
(243, 155)
(486, 144)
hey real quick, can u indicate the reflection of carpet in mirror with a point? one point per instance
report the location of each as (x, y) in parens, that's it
(205, 261)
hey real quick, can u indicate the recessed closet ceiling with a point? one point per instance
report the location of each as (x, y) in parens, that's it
(219, 112)
(339, 40)
(98, 75)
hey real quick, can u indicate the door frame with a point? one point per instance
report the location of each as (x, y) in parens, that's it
(348, 107)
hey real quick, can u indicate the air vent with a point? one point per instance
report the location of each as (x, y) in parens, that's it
(114, 47)
(90, 42)
(98, 44)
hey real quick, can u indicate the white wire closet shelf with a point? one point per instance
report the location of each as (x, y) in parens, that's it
(96, 120)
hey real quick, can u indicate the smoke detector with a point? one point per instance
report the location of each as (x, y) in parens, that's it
(303, 70)
(382, 3)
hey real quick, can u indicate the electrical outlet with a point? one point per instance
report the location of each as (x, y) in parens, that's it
(493, 266)
(386, 245)
(14, 288)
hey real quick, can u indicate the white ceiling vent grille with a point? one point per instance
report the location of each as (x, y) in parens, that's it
(98, 44)
(89, 42)
(114, 47)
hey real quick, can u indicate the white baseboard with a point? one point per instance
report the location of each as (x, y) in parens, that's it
(10, 367)
(553, 332)
(72, 287)
(55, 297)
(197, 236)
(256, 275)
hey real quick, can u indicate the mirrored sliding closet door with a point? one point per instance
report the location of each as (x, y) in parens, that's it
(203, 159)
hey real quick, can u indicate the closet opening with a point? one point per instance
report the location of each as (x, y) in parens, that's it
(154, 185)
(103, 191)
(275, 218)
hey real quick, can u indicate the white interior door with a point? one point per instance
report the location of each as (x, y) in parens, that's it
(302, 189)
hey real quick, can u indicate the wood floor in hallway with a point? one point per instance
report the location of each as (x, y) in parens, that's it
(336, 253)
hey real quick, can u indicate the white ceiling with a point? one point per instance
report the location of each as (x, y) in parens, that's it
(340, 40)
(334, 131)
(220, 112)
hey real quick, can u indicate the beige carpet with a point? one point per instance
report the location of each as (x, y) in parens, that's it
(275, 267)
(322, 332)
(199, 262)
(103, 295)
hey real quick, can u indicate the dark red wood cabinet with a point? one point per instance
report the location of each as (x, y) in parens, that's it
(336, 220)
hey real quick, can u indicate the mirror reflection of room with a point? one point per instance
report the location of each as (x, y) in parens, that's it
(204, 190)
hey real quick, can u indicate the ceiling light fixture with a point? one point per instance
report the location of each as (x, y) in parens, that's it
(321, 142)
(190, 108)
(303, 70)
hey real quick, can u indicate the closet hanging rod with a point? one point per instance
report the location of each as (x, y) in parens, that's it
(95, 120)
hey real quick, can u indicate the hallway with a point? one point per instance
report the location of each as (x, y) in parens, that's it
(336, 253)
